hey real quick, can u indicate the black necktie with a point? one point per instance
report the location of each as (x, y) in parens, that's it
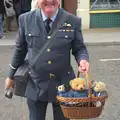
(47, 24)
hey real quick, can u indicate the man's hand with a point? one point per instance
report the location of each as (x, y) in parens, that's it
(84, 67)
(8, 83)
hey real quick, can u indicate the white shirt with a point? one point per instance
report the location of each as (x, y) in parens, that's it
(52, 18)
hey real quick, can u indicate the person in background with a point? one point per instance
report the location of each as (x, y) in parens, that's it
(21, 6)
(9, 13)
(2, 11)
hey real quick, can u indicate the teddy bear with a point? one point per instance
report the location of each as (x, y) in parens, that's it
(61, 91)
(78, 88)
(99, 89)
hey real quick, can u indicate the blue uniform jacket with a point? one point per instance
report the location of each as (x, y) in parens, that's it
(55, 60)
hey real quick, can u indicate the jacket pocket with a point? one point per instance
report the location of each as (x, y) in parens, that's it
(32, 39)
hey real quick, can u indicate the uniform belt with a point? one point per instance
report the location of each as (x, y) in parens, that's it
(53, 76)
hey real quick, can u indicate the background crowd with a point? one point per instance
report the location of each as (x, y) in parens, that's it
(10, 9)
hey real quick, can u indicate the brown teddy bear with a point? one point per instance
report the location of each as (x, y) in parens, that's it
(78, 84)
(78, 88)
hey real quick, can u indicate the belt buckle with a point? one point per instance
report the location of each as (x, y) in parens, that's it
(52, 76)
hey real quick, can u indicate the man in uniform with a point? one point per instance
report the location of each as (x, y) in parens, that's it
(54, 67)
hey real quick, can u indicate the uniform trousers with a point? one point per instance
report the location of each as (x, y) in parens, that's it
(37, 110)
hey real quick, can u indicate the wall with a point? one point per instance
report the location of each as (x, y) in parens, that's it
(83, 12)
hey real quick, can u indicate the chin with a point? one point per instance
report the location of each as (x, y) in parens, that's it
(50, 11)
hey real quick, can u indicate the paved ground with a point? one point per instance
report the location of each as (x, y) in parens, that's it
(91, 37)
(109, 72)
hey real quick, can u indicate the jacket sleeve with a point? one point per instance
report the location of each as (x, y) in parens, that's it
(79, 49)
(20, 49)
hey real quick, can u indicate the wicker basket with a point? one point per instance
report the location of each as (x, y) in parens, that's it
(87, 109)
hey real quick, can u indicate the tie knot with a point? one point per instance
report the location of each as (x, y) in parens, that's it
(48, 21)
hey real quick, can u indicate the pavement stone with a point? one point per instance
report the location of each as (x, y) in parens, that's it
(91, 37)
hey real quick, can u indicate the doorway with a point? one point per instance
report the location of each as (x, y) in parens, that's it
(70, 6)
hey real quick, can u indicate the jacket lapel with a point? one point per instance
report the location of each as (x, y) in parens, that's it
(40, 23)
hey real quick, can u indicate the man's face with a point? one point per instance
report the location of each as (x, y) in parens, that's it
(49, 6)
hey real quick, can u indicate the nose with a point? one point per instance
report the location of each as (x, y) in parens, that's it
(81, 88)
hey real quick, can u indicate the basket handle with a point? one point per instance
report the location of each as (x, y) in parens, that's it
(88, 83)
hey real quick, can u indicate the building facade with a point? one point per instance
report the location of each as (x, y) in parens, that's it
(95, 13)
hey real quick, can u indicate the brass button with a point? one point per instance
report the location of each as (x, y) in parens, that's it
(49, 62)
(48, 37)
(48, 50)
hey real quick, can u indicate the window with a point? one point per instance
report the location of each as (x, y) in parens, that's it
(104, 4)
